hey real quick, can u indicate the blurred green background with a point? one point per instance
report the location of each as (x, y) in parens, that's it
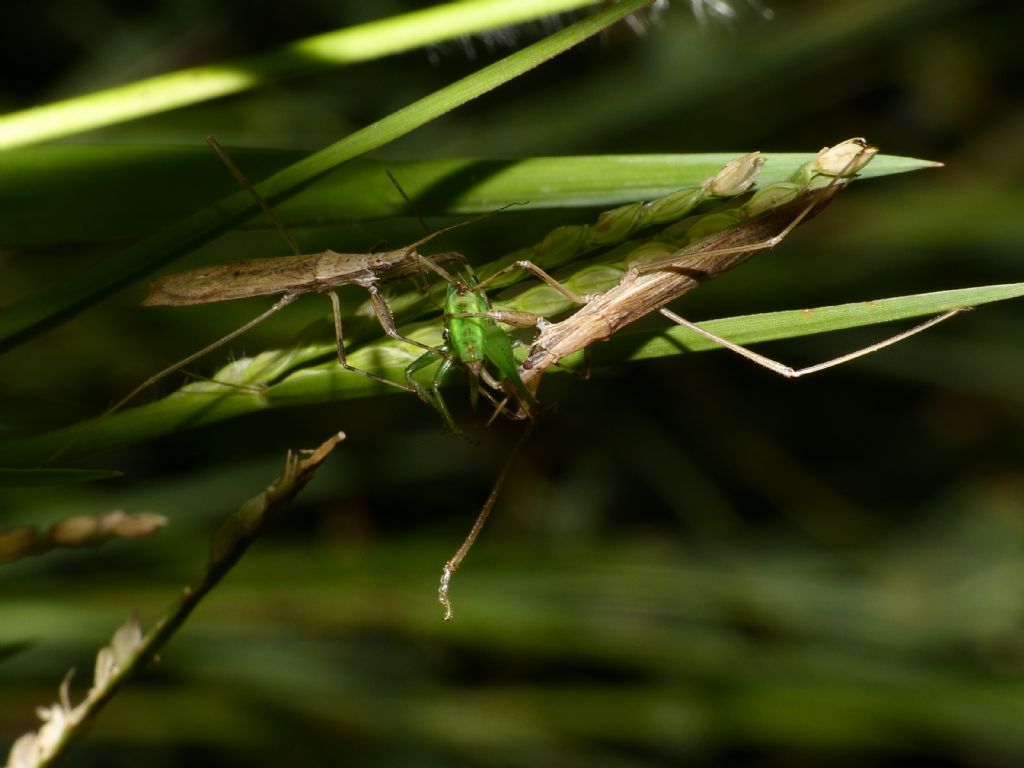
(696, 561)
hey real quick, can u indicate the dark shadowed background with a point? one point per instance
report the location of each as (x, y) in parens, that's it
(696, 561)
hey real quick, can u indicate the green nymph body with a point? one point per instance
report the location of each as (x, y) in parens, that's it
(475, 341)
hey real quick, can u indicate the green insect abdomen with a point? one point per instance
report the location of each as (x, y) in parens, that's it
(467, 335)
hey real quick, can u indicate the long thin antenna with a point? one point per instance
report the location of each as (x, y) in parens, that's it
(408, 201)
(241, 179)
(86, 429)
(453, 565)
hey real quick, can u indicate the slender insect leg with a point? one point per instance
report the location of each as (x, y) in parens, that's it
(278, 305)
(387, 321)
(423, 361)
(842, 177)
(522, 319)
(438, 398)
(508, 317)
(430, 265)
(432, 396)
(342, 359)
(529, 266)
(460, 554)
(771, 242)
(795, 373)
(501, 407)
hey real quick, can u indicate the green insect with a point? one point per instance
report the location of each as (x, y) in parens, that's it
(476, 342)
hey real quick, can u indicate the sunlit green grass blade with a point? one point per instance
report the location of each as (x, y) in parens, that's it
(151, 186)
(313, 54)
(206, 403)
(71, 295)
(772, 326)
(24, 478)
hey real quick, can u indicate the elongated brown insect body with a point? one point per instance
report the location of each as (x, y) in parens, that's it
(640, 293)
(306, 273)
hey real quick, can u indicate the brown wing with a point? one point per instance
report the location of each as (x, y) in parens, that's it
(244, 279)
(284, 274)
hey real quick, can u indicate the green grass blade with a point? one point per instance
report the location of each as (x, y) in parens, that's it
(313, 54)
(151, 186)
(69, 296)
(200, 404)
(773, 326)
